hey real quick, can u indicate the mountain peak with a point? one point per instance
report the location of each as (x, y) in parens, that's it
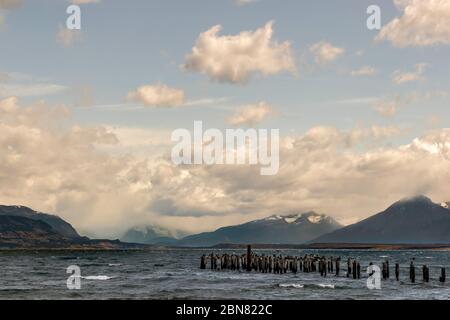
(411, 202)
(310, 216)
(418, 198)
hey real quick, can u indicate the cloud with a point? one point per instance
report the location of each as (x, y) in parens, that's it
(251, 114)
(93, 190)
(387, 108)
(94, 177)
(325, 53)
(234, 59)
(400, 77)
(364, 71)
(423, 23)
(67, 37)
(342, 173)
(158, 95)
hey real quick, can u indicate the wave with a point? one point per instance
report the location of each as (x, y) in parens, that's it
(325, 285)
(301, 286)
(291, 285)
(114, 264)
(97, 278)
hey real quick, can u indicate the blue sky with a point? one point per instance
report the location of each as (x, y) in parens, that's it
(126, 44)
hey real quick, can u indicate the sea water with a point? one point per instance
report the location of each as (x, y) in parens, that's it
(176, 274)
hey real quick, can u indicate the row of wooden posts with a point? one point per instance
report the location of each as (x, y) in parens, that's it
(309, 263)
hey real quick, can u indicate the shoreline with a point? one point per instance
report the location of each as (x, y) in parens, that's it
(318, 246)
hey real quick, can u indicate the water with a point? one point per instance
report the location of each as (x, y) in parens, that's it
(175, 274)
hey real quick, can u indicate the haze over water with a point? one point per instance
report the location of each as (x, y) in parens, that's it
(175, 274)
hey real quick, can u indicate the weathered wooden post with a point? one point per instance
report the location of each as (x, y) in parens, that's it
(442, 278)
(338, 266)
(249, 258)
(397, 271)
(412, 272)
(425, 273)
(354, 269)
(349, 268)
(203, 262)
(212, 260)
(358, 268)
(387, 269)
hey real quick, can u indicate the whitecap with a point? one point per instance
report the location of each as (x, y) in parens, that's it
(291, 285)
(325, 285)
(114, 264)
(97, 278)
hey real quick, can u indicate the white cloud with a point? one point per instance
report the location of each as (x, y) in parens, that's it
(236, 58)
(400, 77)
(364, 71)
(325, 53)
(251, 114)
(67, 37)
(158, 95)
(95, 178)
(325, 169)
(423, 23)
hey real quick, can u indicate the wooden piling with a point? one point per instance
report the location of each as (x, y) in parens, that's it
(397, 271)
(442, 278)
(249, 258)
(412, 272)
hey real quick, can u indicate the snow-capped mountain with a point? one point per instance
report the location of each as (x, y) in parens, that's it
(276, 229)
(413, 220)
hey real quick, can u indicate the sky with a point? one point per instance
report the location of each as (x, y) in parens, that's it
(86, 116)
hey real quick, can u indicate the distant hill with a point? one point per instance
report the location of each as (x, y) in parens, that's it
(414, 220)
(56, 223)
(277, 229)
(24, 228)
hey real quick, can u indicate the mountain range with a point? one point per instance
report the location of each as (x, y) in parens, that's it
(413, 220)
(276, 229)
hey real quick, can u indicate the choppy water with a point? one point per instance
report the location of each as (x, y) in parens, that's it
(175, 274)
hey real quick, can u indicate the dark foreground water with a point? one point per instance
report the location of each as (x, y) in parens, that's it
(175, 274)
